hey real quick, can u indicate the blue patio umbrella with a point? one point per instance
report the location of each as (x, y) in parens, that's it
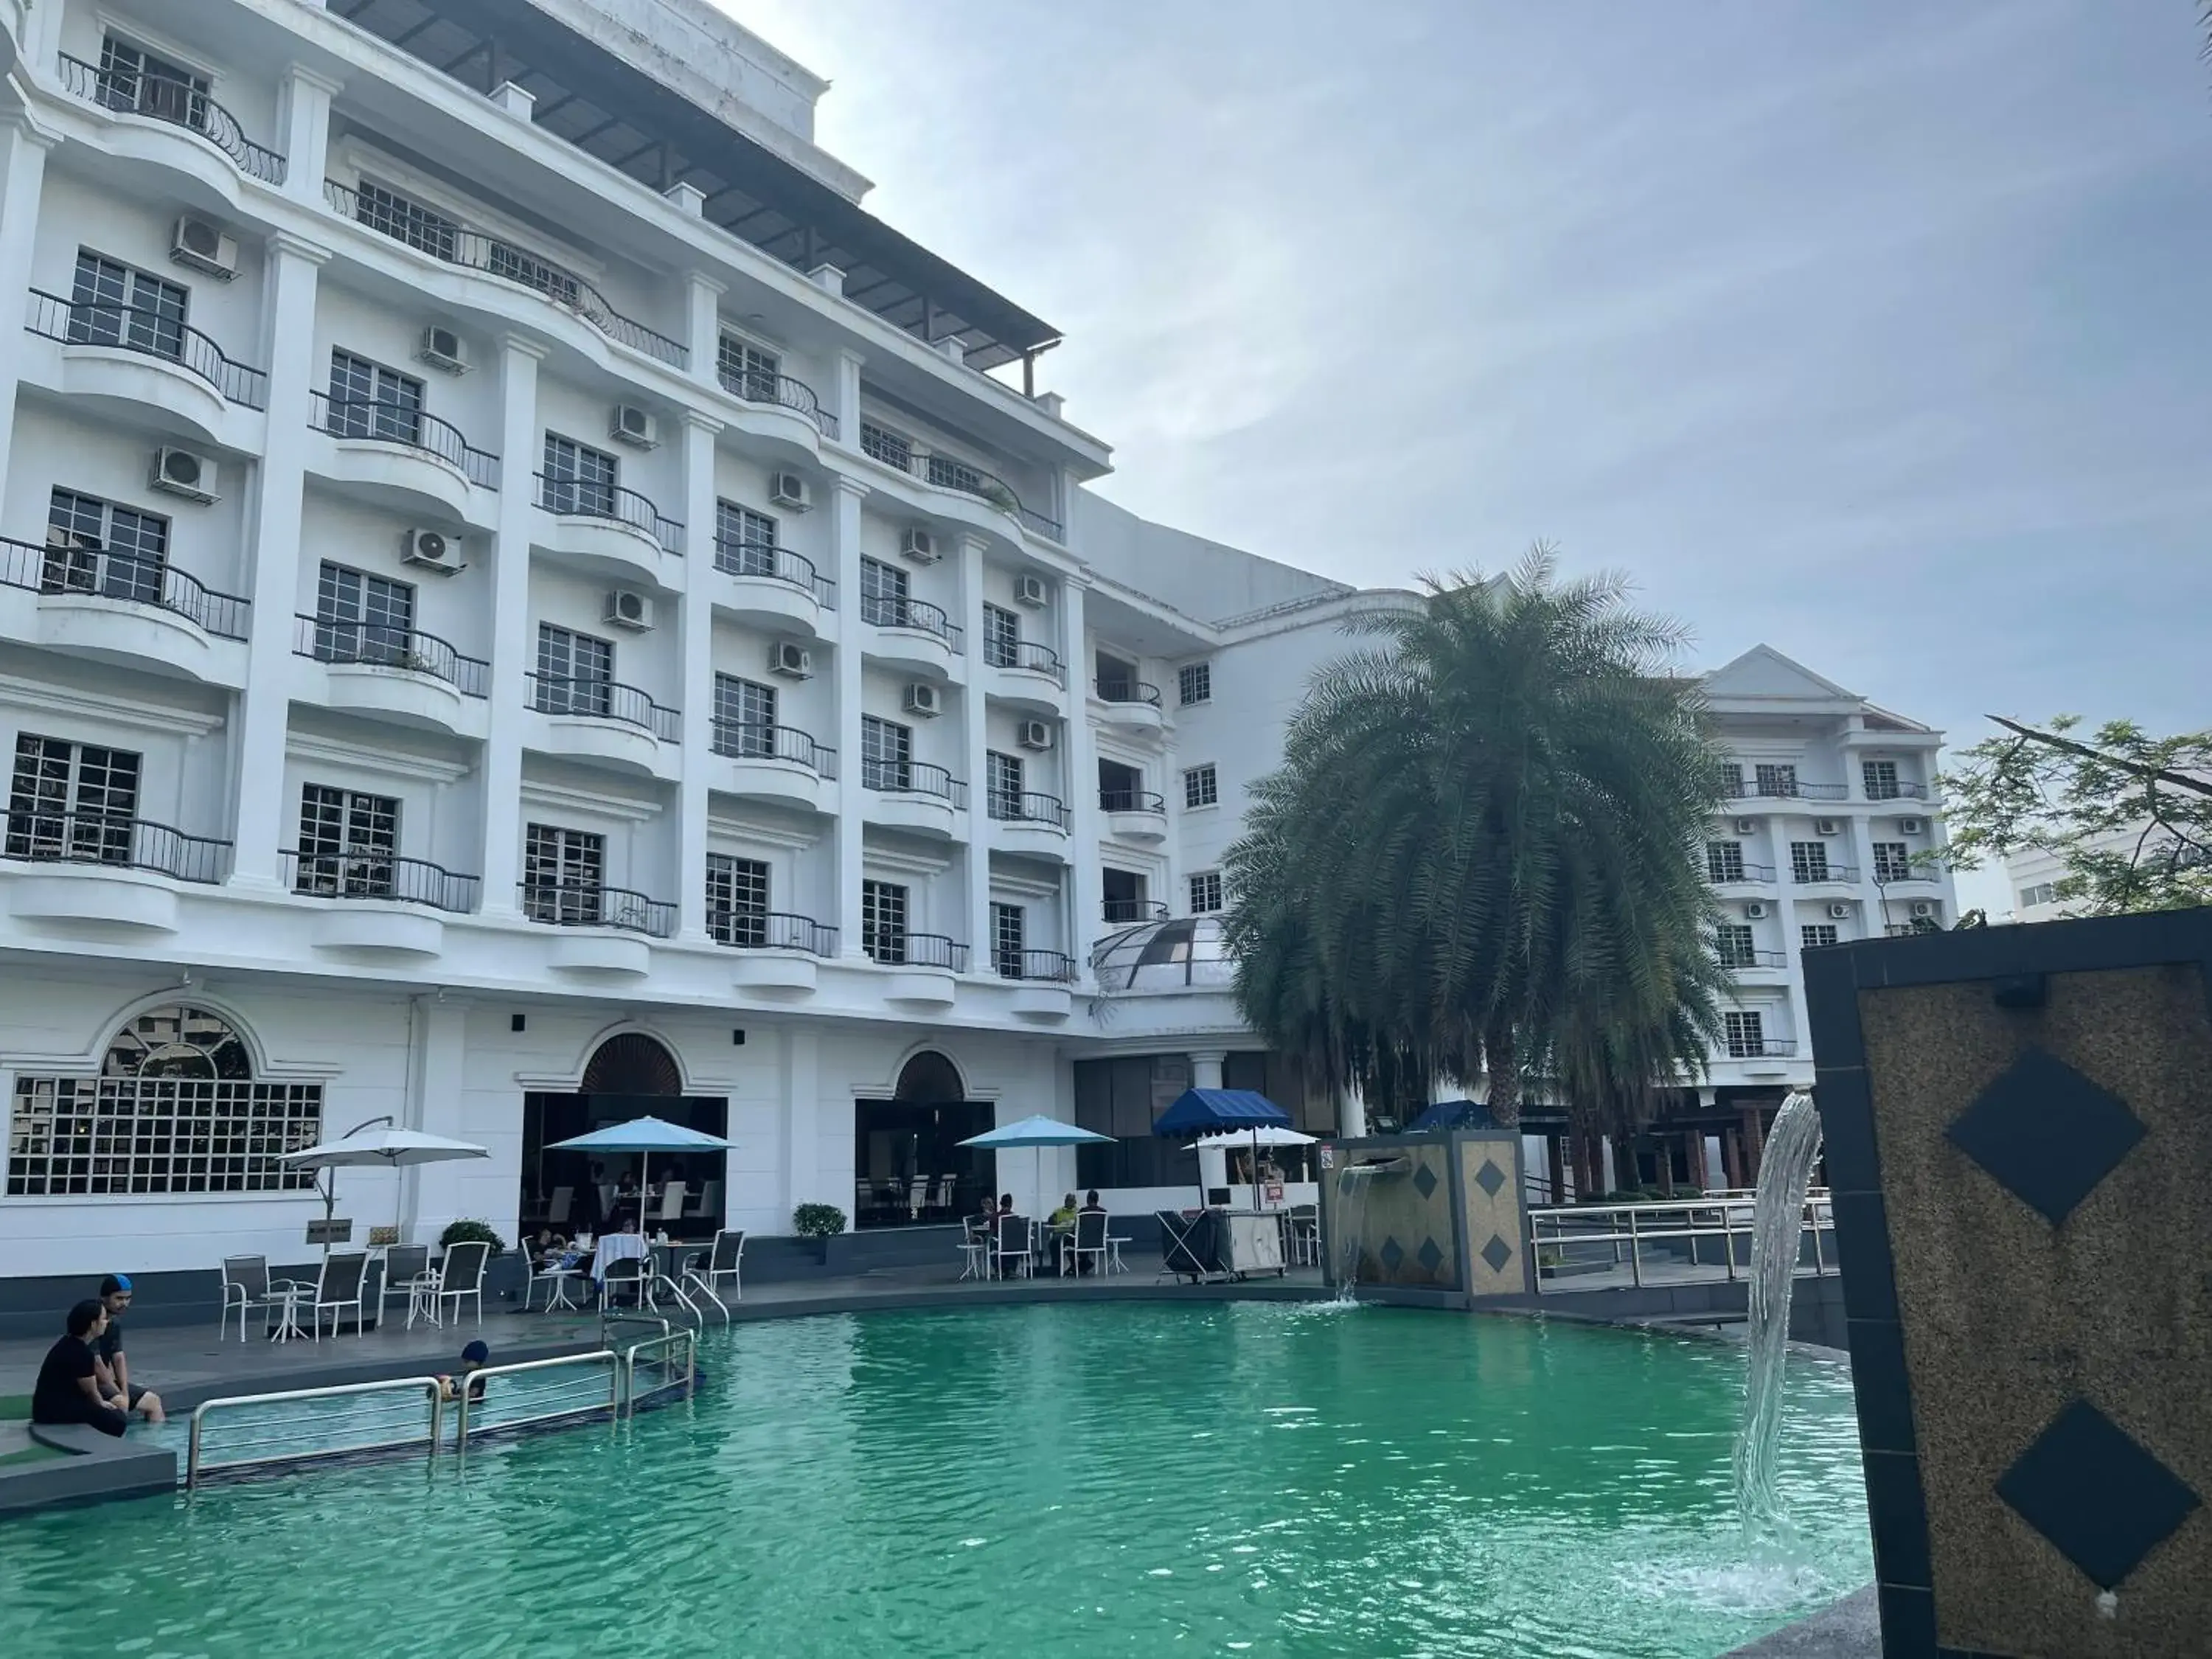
(1037, 1133)
(1200, 1112)
(644, 1136)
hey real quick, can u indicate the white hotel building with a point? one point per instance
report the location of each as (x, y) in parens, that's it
(518, 596)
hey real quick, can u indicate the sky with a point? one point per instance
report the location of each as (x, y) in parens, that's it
(1876, 333)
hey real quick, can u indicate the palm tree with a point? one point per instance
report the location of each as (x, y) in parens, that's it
(1481, 855)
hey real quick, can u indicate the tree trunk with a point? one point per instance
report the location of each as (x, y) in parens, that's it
(1501, 1062)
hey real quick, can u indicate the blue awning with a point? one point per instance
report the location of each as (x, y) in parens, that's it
(1454, 1115)
(1209, 1111)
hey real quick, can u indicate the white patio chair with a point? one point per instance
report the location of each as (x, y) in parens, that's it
(672, 1203)
(556, 1280)
(461, 1274)
(940, 1199)
(564, 1199)
(405, 1267)
(1012, 1247)
(246, 1284)
(1090, 1240)
(917, 1194)
(632, 1276)
(724, 1260)
(338, 1287)
(974, 1250)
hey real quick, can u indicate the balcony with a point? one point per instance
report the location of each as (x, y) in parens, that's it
(1740, 874)
(605, 929)
(1825, 875)
(590, 719)
(1027, 674)
(375, 895)
(120, 868)
(781, 948)
(779, 391)
(451, 243)
(957, 477)
(146, 364)
(927, 963)
(1028, 822)
(1896, 790)
(173, 103)
(1134, 814)
(774, 762)
(912, 635)
(1741, 961)
(1043, 983)
(1911, 876)
(1128, 703)
(912, 795)
(121, 607)
(1125, 912)
(1782, 789)
(605, 525)
(399, 674)
(384, 451)
(1762, 1048)
(772, 585)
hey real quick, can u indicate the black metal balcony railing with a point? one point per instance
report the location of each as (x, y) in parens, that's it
(133, 578)
(757, 386)
(1761, 1048)
(151, 333)
(455, 244)
(1055, 967)
(383, 645)
(892, 610)
(1113, 688)
(1722, 874)
(1129, 910)
(560, 693)
(568, 905)
(180, 104)
(943, 473)
(377, 875)
(1028, 806)
(1813, 875)
(899, 949)
(1130, 800)
(580, 498)
(40, 835)
(386, 423)
(1029, 654)
(1890, 875)
(898, 777)
(751, 740)
(772, 930)
(1732, 957)
(1893, 789)
(1782, 789)
(776, 564)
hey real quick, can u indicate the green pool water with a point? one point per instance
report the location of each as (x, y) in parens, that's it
(1119, 1478)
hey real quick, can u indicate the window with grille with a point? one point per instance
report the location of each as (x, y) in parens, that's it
(886, 754)
(737, 899)
(1724, 860)
(883, 921)
(1776, 781)
(132, 78)
(1881, 777)
(564, 874)
(1893, 860)
(1200, 787)
(390, 213)
(1746, 1038)
(1002, 636)
(880, 443)
(882, 593)
(72, 800)
(1815, 934)
(1002, 779)
(578, 478)
(576, 671)
(749, 370)
(1809, 861)
(1009, 928)
(1205, 892)
(368, 400)
(744, 541)
(114, 304)
(363, 618)
(2042, 892)
(1194, 684)
(347, 841)
(1732, 943)
(175, 1109)
(745, 717)
(95, 546)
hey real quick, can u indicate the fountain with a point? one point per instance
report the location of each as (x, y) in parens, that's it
(1352, 1186)
(1777, 1232)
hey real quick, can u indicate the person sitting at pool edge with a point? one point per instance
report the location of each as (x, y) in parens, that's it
(474, 1359)
(114, 1369)
(68, 1389)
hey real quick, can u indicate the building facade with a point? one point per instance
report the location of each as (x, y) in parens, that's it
(519, 599)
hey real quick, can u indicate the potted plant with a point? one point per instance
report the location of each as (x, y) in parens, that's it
(819, 1224)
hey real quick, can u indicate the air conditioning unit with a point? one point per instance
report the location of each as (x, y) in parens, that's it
(791, 660)
(627, 608)
(1910, 826)
(184, 472)
(1036, 734)
(1746, 826)
(920, 546)
(923, 698)
(1029, 590)
(1755, 911)
(204, 245)
(629, 424)
(434, 550)
(1826, 827)
(791, 489)
(442, 348)
(1839, 913)
(1923, 909)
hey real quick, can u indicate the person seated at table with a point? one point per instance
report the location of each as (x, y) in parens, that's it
(474, 1359)
(626, 1188)
(1063, 1219)
(115, 1370)
(68, 1389)
(547, 1249)
(1005, 1204)
(1091, 1204)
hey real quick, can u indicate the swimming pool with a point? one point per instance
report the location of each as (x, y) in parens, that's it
(1126, 1479)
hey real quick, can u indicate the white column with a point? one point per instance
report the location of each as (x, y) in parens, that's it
(1206, 1074)
(802, 1109)
(520, 447)
(258, 819)
(844, 505)
(975, 743)
(845, 399)
(702, 311)
(698, 695)
(431, 1193)
(303, 126)
(1350, 1112)
(23, 148)
(1085, 888)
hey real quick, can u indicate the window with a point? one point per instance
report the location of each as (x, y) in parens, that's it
(1121, 788)
(132, 78)
(745, 717)
(883, 921)
(95, 547)
(575, 673)
(744, 541)
(72, 800)
(1815, 934)
(946, 473)
(368, 400)
(883, 594)
(1731, 780)
(880, 443)
(175, 1109)
(578, 478)
(1776, 781)
(1892, 861)
(1809, 861)
(564, 874)
(2042, 892)
(390, 213)
(362, 618)
(886, 754)
(1194, 684)
(1205, 892)
(1008, 924)
(1117, 680)
(111, 303)
(1002, 776)
(1881, 778)
(737, 900)
(1732, 944)
(747, 369)
(1002, 636)
(347, 843)
(1201, 788)
(1747, 1039)
(1724, 860)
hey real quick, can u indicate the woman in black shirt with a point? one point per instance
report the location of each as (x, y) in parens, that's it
(68, 1389)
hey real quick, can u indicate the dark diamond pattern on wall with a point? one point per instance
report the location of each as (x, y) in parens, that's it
(2046, 1134)
(1497, 1253)
(1424, 1180)
(2102, 1500)
(1391, 1254)
(1428, 1255)
(1490, 1177)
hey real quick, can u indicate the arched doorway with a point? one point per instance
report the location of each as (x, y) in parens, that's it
(632, 1063)
(631, 1074)
(908, 1167)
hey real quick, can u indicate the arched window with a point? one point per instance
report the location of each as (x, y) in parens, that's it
(177, 1042)
(632, 1063)
(929, 1080)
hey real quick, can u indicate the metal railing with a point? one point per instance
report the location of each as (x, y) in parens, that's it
(38, 836)
(133, 578)
(606, 700)
(894, 777)
(757, 386)
(454, 244)
(580, 498)
(943, 473)
(1115, 689)
(1131, 800)
(1027, 806)
(386, 645)
(771, 930)
(557, 905)
(1586, 1236)
(892, 610)
(1722, 875)
(1055, 966)
(1731, 957)
(151, 333)
(1128, 910)
(1763, 1049)
(389, 1413)
(555, 1390)
(379, 422)
(1813, 875)
(177, 103)
(903, 949)
(771, 563)
(662, 1364)
(1029, 654)
(1899, 790)
(373, 875)
(1779, 789)
(1892, 878)
(751, 740)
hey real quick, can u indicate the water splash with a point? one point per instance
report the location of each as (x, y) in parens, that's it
(1793, 1146)
(1351, 1227)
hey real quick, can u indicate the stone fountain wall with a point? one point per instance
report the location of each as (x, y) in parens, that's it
(1450, 1226)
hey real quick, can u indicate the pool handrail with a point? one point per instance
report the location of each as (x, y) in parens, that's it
(1677, 1219)
(430, 1385)
(686, 1339)
(466, 1388)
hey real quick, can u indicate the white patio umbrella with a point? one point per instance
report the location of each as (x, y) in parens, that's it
(1037, 1133)
(365, 1145)
(644, 1136)
(1259, 1135)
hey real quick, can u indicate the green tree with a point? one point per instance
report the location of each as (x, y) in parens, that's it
(2128, 816)
(1482, 855)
